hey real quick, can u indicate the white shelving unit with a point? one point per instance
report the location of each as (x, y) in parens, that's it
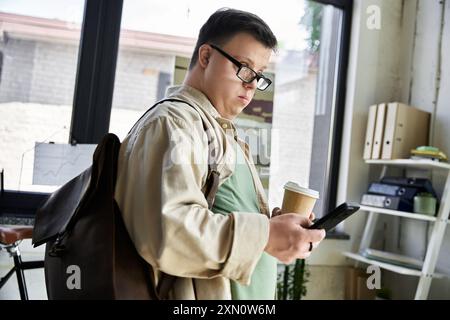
(427, 273)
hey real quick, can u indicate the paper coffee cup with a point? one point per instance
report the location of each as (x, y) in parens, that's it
(298, 199)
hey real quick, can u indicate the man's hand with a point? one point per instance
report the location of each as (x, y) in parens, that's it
(289, 239)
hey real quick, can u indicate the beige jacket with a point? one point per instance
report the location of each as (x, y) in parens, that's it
(162, 168)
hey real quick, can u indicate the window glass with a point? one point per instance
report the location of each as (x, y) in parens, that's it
(287, 126)
(39, 43)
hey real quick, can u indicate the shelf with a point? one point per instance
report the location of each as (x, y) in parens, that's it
(388, 266)
(418, 164)
(411, 215)
(401, 264)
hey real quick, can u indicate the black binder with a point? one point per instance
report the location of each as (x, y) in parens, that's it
(422, 184)
(407, 193)
(387, 202)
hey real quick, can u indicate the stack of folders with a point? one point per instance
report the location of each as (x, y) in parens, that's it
(393, 129)
(396, 193)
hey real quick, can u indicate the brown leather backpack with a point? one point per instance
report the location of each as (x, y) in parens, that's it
(89, 254)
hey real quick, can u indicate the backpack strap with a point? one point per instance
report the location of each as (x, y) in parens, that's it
(212, 179)
(209, 189)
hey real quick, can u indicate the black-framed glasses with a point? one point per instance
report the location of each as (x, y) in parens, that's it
(246, 74)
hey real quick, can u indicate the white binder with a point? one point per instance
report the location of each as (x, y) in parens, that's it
(379, 131)
(406, 128)
(370, 131)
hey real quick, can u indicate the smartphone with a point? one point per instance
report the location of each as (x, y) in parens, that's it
(337, 215)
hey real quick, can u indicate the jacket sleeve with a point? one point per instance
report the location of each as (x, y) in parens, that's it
(159, 193)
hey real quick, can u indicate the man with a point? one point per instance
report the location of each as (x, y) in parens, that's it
(228, 252)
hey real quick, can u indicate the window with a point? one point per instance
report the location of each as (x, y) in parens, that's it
(1, 66)
(296, 124)
(150, 41)
(39, 44)
(303, 110)
(291, 127)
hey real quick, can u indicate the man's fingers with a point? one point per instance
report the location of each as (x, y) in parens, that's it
(302, 255)
(312, 216)
(304, 222)
(316, 235)
(276, 212)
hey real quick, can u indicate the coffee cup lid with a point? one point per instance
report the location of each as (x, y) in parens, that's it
(292, 186)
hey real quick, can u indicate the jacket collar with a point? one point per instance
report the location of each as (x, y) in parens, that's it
(201, 100)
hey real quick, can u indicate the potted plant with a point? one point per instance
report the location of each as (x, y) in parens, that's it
(291, 282)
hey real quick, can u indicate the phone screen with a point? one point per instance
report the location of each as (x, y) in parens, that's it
(336, 216)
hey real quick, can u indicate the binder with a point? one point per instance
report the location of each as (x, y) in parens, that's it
(422, 184)
(406, 128)
(379, 130)
(370, 131)
(407, 193)
(387, 202)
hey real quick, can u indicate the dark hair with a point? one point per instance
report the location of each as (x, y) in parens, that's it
(225, 23)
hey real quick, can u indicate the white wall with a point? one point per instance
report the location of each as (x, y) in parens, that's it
(373, 77)
(398, 62)
(430, 91)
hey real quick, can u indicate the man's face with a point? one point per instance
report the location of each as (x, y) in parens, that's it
(225, 90)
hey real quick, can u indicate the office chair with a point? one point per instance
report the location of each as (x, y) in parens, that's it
(10, 238)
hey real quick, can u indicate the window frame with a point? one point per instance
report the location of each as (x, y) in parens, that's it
(337, 122)
(96, 70)
(94, 86)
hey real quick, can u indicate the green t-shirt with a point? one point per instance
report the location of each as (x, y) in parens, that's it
(238, 193)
